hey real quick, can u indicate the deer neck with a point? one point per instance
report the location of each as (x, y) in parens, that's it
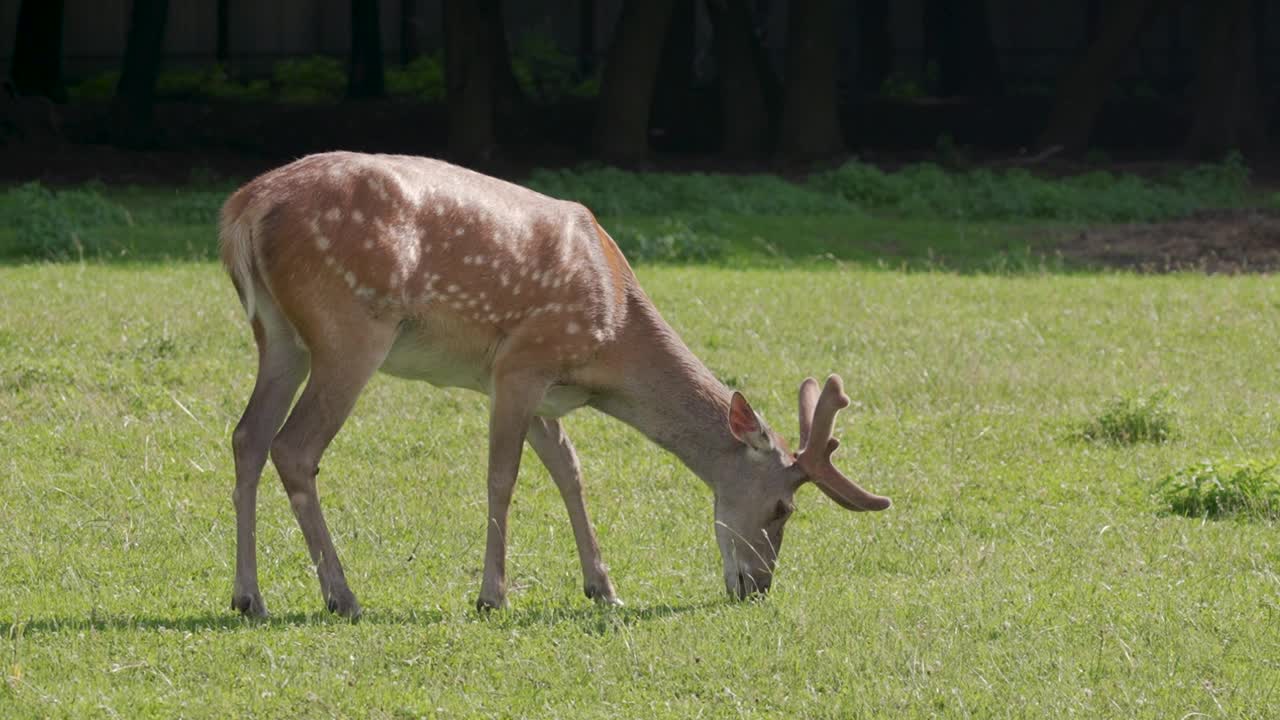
(668, 394)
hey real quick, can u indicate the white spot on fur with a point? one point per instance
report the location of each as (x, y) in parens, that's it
(322, 242)
(333, 214)
(572, 328)
(502, 278)
(357, 216)
(452, 288)
(328, 260)
(367, 244)
(457, 232)
(350, 277)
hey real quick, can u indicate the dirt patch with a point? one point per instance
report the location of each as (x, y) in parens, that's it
(1212, 241)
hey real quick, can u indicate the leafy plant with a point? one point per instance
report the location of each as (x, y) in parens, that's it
(421, 79)
(1130, 420)
(97, 88)
(544, 72)
(208, 83)
(1219, 489)
(316, 79)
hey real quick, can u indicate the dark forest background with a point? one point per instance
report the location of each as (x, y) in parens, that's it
(691, 83)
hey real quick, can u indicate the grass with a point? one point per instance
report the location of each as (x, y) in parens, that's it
(1127, 420)
(1019, 573)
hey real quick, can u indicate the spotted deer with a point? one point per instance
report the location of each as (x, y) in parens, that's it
(348, 263)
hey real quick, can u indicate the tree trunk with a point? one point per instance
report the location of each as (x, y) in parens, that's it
(223, 52)
(365, 77)
(133, 106)
(410, 31)
(810, 119)
(745, 120)
(1228, 115)
(509, 99)
(672, 97)
(37, 50)
(468, 71)
(1085, 88)
(875, 45)
(626, 92)
(586, 37)
(957, 38)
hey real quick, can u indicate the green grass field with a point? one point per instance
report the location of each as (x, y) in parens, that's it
(1025, 570)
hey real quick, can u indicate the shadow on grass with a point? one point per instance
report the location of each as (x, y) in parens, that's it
(594, 620)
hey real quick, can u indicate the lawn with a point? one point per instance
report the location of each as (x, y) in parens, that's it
(1027, 568)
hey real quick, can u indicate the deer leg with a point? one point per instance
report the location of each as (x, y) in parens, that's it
(331, 392)
(549, 441)
(281, 367)
(513, 400)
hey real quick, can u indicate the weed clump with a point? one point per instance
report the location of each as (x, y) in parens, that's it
(1131, 420)
(1217, 490)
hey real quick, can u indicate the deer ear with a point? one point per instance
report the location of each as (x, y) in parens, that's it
(746, 425)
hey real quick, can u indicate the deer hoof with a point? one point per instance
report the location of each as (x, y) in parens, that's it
(485, 605)
(603, 595)
(344, 604)
(249, 605)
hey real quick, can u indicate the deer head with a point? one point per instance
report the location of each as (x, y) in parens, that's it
(756, 486)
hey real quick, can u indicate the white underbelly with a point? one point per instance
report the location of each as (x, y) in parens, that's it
(418, 356)
(415, 357)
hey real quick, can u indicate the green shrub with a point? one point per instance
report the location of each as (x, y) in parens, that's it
(208, 83)
(544, 72)
(675, 241)
(1129, 420)
(316, 79)
(97, 88)
(53, 225)
(421, 79)
(609, 191)
(1223, 489)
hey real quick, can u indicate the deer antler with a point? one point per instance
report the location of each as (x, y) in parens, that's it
(817, 418)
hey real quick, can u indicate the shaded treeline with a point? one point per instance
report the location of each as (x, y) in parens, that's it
(790, 110)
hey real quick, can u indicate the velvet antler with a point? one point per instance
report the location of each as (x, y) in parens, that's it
(817, 418)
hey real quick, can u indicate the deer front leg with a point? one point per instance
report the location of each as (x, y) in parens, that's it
(549, 441)
(514, 398)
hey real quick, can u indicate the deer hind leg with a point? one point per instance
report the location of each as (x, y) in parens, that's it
(513, 400)
(281, 367)
(549, 441)
(337, 377)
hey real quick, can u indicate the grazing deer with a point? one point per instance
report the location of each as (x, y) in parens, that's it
(347, 264)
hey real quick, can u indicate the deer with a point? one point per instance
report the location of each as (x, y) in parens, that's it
(347, 264)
